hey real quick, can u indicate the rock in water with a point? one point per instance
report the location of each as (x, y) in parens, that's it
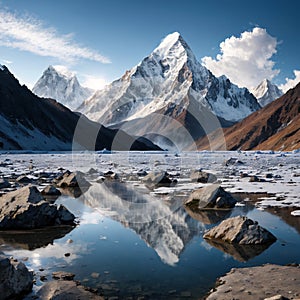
(26, 209)
(240, 230)
(203, 177)
(74, 179)
(210, 197)
(15, 279)
(158, 179)
(51, 190)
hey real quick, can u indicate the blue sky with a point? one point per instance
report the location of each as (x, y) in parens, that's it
(102, 39)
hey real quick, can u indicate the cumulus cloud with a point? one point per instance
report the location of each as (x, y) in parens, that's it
(290, 83)
(94, 82)
(245, 60)
(29, 34)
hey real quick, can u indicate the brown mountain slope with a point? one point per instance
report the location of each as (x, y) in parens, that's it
(274, 127)
(32, 123)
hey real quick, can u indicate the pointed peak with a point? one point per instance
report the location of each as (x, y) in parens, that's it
(61, 70)
(170, 41)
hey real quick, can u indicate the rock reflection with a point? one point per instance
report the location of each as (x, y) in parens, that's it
(239, 252)
(74, 192)
(33, 239)
(163, 224)
(208, 216)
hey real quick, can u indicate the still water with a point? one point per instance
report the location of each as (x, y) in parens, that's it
(131, 242)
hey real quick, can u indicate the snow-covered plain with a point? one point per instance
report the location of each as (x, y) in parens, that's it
(278, 172)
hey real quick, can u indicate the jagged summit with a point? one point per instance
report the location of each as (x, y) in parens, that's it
(168, 82)
(266, 92)
(58, 83)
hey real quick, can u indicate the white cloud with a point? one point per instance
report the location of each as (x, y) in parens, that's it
(290, 83)
(94, 82)
(6, 62)
(245, 60)
(29, 34)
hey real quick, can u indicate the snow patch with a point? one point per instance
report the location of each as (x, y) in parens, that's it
(295, 213)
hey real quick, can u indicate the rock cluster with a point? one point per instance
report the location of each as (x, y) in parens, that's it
(26, 209)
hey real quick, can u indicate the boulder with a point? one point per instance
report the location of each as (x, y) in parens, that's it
(240, 230)
(4, 184)
(65, 290)
(210, 197)
(233, 161)
(74, 179)
(51, 190)
(15, 279)
(158, 179)
(203, 177)
(26, 209)
(23, 179)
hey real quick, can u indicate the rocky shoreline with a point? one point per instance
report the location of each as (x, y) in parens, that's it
(28, 203)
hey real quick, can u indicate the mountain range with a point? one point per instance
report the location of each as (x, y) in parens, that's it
(275, 127)
(170, 97)
(63, 86)
(30, 122)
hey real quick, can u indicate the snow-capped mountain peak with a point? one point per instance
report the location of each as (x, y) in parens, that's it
(171, 82)
(266, 92)
(63, 71)
(1, 67)
(59, 83)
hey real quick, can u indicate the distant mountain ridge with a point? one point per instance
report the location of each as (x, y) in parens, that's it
(63, 86)
(169, 84)
(266, 92)
(275, 127)
(32, 123)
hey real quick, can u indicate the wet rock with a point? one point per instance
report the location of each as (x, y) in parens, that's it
(203, 177)
(65, 290)
(158, 179)
(4, 184)
(51, 190)
(240, 230)
(74, 179)
(15, 279)
(26, 209)
(210, 197)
